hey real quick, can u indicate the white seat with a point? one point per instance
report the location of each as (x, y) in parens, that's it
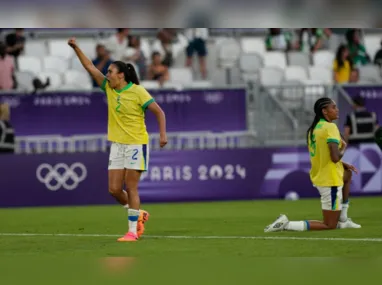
(55, 63)
(36, 48)
(253, 45)
(200, 84)
(60, 48)
(30, 63)
(150, 84)
(88, 46)
(372, 44)
(321, 73)
(228, 53)
(71, 87)
(295, 73)
(24, 80)
(250, 62)
(146, 48)
(54, 77)
(297, 58)
(292, 94)
(370, 73)
(323, 58)
(314, 89)
(271, 76)
(76, 64)
(78, 78)
(275, 59)
(181, 75)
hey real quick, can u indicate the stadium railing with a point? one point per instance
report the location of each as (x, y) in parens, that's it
(99, 143)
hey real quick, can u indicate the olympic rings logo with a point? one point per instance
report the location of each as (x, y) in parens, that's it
(61, 173)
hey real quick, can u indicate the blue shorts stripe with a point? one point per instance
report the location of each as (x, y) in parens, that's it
(144, 152)
(333, 193)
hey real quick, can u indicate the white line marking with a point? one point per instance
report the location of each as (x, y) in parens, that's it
(201, 237)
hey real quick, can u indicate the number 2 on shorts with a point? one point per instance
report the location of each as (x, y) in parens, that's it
(135, 152)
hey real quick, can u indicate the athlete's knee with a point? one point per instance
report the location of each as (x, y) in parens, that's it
(332, 225)
(114, 190)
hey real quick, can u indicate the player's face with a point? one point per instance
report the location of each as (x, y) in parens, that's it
(114, 76)
(331, 111)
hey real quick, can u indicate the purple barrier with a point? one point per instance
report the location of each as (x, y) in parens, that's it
(373, 100)
(81, 179)
(86, 113)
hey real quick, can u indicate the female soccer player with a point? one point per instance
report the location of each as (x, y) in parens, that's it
(129, 154)
(328, 173)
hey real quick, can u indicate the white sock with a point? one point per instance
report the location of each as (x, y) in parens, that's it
(344, 212)
(126, 206)
(133, 220)
(300, 226)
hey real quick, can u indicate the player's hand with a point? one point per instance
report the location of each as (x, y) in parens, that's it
(72, 42)
(350, 167)
(163, 140)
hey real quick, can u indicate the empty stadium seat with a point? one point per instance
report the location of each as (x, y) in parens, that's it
(250, 63)
(271, 76)
(200, 84)
(78, 78)
(88, 46)
(370, 73)
(36, 48)
(295, 73)
(181, 75)
(30, 63)
(253, 45)
(323, 58)
(150, 84)
(55, 63)
(323, 74)
(292, 94)
(55, 79)
(372, 44)
(228, 53)
(76, 64)
(297, 58)
(275, 59)
(60, 48)
(24, 80)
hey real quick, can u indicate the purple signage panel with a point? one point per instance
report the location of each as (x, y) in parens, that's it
(86, 113)
(373, 100)
(81, 179)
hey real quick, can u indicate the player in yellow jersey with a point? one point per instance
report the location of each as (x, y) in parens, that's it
(328, 173)
(129, 153)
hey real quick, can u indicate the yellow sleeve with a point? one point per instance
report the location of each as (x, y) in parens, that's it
(145, 99)
(335, 66)
(333, 134)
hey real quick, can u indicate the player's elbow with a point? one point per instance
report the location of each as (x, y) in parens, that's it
(335, 158)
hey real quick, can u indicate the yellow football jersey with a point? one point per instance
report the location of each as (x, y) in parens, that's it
(126, 113)
(324, 172)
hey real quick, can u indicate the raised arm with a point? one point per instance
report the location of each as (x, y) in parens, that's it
(87, 63)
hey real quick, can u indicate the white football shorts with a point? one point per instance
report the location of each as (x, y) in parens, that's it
(331, 198)
(127, 156)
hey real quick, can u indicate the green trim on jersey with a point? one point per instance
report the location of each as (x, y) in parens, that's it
(333, 141)
(124, 88)
(103, 85)
(144, 107)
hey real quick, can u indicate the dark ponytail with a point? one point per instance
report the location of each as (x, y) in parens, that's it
(318, 106)
(128, 71)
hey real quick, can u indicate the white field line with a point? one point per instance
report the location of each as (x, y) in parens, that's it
(200, 237)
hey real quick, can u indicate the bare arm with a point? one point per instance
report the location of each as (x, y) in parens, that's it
(336, 153)
(161, 118)
(87, 63)
(346, 133)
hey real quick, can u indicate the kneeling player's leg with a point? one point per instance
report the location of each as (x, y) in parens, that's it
(345, 193)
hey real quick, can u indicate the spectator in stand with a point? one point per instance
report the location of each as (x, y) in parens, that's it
(311, 40)
(197, 43)
(102, 61)
(358, 54)
(342, 67)
(278, 40)
(117, 44)
(7, 68)
(15, 44)
(135, 54)
(7, 134)
(354, 76)
(169, 44)
(157, 70)
(378, 57)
